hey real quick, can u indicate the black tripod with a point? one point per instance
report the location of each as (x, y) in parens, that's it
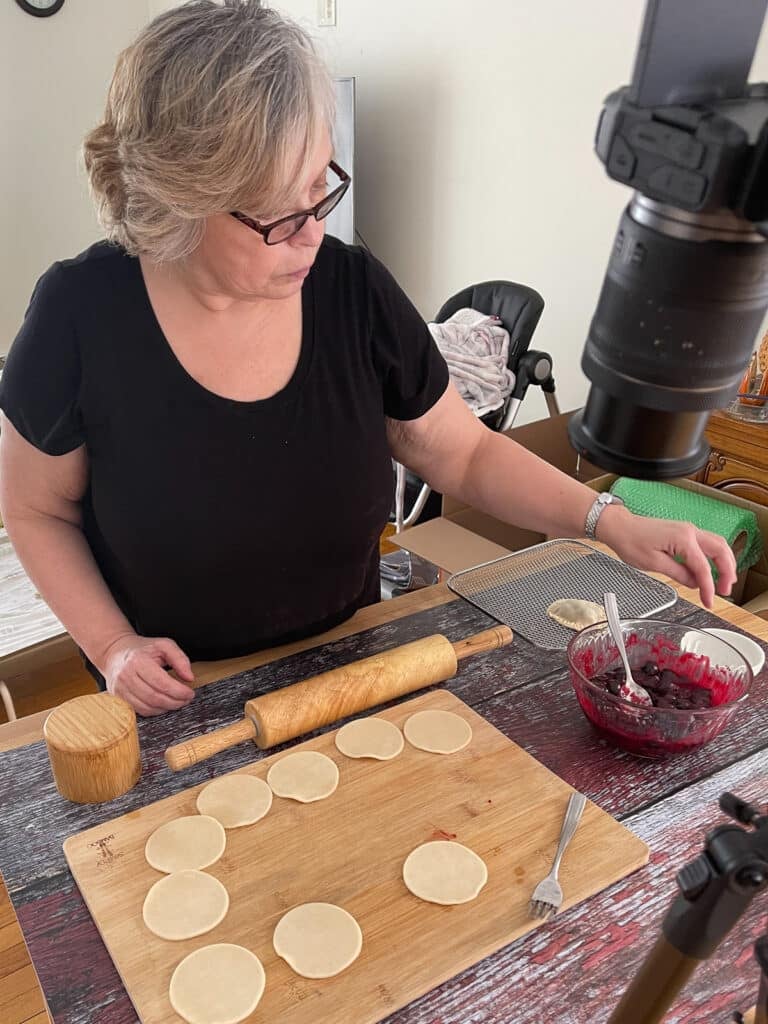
(715, 890)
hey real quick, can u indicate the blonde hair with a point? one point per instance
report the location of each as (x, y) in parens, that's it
(215, 107)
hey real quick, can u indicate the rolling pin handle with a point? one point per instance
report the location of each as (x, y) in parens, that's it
(489, 640)
(184, 755)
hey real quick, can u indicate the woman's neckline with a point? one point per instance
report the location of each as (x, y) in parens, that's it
(283, 394)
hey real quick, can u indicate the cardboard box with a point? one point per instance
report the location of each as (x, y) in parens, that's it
(464, 537)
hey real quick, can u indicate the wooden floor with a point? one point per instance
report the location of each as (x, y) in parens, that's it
(20, 996)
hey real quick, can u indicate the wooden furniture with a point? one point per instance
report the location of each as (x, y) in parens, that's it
(361, 835)
(575, 967)
(738, 462)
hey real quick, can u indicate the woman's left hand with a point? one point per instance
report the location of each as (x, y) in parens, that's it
(680, 550)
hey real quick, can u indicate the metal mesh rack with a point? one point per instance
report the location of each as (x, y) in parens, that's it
(518, 588)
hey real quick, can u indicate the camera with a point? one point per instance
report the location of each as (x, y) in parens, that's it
(686, 288)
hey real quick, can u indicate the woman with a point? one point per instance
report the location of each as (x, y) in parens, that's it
(200, 412)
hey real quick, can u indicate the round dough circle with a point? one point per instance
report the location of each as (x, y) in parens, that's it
(235, 800)
(194, 841)
(439, 732)
(185, 904)
(370, 737)
(218, 984)
(444, 872)
(318, 940)
(304, 776)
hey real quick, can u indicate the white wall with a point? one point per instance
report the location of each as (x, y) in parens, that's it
(54, 74)
(474, 143)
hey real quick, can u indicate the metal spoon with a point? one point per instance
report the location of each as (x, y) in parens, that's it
(629, 690)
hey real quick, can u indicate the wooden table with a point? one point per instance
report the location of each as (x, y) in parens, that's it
(571, 970)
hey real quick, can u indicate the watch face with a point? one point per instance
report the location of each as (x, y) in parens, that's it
(40, 8)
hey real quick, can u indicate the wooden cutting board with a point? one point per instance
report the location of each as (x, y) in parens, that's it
(349, 850)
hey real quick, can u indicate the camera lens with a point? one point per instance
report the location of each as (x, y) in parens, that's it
(683, 298)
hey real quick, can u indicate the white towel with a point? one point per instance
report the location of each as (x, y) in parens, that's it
(476, 346)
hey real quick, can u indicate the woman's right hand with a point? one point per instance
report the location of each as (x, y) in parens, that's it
(135, 669)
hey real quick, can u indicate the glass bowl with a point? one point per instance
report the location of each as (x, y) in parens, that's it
(657, 732)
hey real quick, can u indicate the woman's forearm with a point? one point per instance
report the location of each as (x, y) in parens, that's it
(508, 482)
(457, 455)
(59, 561)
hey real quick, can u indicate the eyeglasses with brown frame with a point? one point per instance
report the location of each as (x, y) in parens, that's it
(286, 227)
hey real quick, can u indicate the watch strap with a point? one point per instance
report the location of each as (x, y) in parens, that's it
(601, 502)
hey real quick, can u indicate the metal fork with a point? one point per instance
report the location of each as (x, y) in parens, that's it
(548, 896)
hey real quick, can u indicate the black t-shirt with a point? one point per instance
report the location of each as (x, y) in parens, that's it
(225, 525)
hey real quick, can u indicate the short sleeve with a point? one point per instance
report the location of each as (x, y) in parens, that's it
(413, 373)
(40, 384)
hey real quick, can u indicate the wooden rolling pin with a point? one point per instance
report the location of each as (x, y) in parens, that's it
(294, 710)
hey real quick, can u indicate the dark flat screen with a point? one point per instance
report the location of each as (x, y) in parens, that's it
(695, 50)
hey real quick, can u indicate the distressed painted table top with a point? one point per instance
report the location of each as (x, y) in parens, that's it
(571, 970)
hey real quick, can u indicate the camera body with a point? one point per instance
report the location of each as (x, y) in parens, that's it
(702, 157)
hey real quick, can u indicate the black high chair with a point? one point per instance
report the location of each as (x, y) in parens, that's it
(519, 308)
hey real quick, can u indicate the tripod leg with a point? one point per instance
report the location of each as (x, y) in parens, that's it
(654, 988)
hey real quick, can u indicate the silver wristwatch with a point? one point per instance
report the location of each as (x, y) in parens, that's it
(600, 502)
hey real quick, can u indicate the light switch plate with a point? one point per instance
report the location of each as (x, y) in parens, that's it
(326, 13)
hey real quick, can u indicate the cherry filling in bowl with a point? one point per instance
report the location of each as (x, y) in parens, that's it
(667, 689)
(693, 697)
